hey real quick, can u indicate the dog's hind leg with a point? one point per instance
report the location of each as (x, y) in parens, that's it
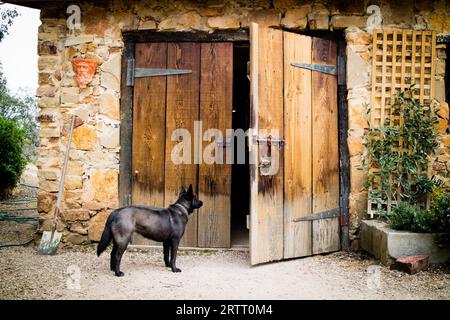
(173, 255)
(113, 257)
(119, 253)
(166, 246)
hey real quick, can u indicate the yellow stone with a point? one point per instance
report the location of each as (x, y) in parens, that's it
(105, 184)
(84, 138)
(96, 225)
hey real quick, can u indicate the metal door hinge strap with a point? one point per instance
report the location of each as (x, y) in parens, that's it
(333, 213)
(133, 72)
(316, 67)
(153, 72)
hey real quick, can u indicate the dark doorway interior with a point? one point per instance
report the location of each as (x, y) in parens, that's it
(240, 185)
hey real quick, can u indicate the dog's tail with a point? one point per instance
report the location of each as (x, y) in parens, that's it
(106, 235)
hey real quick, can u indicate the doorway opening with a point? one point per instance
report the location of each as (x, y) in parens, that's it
(240, 179)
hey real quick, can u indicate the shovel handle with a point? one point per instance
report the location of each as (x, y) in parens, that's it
(63, 174)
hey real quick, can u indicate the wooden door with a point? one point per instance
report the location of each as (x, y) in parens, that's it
(163, 104)
(288, 204)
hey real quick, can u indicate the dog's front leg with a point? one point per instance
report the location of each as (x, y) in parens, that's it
(166, 246)
(173, 256)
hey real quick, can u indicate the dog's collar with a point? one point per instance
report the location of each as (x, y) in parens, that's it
(185, 211)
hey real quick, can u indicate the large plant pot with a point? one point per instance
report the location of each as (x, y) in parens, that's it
(84, 70)
(387, 244)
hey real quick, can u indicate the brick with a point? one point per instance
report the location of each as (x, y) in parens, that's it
(411, 264)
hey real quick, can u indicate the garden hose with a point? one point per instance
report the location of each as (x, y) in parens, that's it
(19, 219)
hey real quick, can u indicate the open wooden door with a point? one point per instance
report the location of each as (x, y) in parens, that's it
(294, 176)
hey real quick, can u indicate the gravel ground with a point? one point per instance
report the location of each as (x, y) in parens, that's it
(209, 275)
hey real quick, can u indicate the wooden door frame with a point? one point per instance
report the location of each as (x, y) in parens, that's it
(242, 35)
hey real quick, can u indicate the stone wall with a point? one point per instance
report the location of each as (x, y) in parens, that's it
(92, 177)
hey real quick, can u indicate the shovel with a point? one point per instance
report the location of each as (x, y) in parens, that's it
(50, 239)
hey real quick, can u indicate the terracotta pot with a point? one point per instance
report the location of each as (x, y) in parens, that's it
(84, 70)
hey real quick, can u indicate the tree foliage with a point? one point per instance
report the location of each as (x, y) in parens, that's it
(6, 20)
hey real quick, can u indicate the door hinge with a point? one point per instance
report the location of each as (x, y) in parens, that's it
(333, 213)
(133, 72)
(316, 67)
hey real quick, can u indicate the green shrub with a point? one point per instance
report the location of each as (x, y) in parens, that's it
(411, 218)
(440, 208)
(12, 161)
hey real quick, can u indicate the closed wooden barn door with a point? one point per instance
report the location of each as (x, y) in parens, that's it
(294, 176)
(162, 104)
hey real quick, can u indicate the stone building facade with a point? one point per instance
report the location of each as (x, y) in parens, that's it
(91, 188)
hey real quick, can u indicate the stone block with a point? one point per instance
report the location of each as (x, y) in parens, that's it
(411, 264)
(342, 22)
(84, 138)
(223, 22)
(97, 225)
(110, 106)
(296, 18)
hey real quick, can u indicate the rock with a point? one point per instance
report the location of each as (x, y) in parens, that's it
(147, 25)
(319, 18)
(446, 140)
(354, 35)
(411, 264)
(355, 145)
(284, 4)
(75, 215)
(93, 205)
(264, 18)
(109, 81)
(96, 225)
(358, 70)
(48, 63)
(105, 185)
(84, 138)
(439, 22)
(113, 65)
(77, 228)
(224, 22)
(440, 90)
(443, 114)
(45, 201)
(183, 22)
(47, 47)
(110, 137)
(78, 40)
(342, 22)
(50, 186)
(70, 95)
(73, 182)
(46, 91)
(296, 18)
(75, 238)
(49, 174)
(110, 106)
(439, 167)
(30, 175)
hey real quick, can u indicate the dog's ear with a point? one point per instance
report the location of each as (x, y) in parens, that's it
(182, 191)
(190, 191)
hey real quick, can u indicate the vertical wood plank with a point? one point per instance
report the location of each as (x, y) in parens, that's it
(126, 130)
(422, 66)
(297, 154)
(216, 98)
(181, 112)
(148, 130)
(325, 154)
(266, 225)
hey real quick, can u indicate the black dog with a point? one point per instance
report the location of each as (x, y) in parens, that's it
(160, 224)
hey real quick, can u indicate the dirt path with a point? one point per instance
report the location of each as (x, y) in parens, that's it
(209, 275)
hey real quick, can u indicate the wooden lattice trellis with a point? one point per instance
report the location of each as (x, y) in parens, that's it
(400, 59)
